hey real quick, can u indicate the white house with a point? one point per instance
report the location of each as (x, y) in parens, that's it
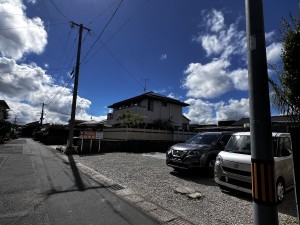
(152, 105)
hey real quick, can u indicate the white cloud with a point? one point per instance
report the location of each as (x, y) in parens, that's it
(25, 87)
(234, 110)
(20, 34)
(215, 20)
(163, 57)
(239, 78)
(274, 52)
(207, 81)
(200, 112)
(204, 112)
(221, 40)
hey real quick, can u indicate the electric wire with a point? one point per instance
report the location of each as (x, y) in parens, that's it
(103, 30)
(59, 10)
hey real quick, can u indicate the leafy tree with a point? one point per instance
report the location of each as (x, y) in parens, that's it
(286, 97)
(130, 119)
(163, 124)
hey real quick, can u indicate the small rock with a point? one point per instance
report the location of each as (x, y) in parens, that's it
(184, 190)
(195, 195)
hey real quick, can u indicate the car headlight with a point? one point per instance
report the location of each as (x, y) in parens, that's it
(194, 153)
(219, 159)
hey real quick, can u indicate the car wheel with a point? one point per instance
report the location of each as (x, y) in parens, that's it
(224, 188)
(211, 167)
(280, 189)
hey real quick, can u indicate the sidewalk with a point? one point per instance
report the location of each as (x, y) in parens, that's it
(38, 187)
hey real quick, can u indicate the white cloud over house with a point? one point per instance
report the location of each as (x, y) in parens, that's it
(224, 45)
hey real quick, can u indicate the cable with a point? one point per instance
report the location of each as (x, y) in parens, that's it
(59, 10)
(103, 30)
(118, 61)
(93, 20)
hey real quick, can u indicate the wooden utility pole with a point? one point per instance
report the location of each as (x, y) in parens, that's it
(69, 148)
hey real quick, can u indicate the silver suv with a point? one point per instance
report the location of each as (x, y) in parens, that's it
(233, 165)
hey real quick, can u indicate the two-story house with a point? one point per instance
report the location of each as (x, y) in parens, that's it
(3, 109)
(153, 106)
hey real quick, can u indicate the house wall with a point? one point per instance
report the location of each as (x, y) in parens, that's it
(158, 111)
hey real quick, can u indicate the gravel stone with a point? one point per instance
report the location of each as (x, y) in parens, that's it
(150, 178)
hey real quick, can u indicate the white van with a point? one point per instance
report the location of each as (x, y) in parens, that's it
(233, 165)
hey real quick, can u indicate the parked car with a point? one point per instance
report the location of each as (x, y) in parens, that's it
(199, 151)
(233, 165)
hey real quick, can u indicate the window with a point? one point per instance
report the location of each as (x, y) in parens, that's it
(150, 105)
(284, 147)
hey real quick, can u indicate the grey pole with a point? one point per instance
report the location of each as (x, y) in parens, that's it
(262, 158)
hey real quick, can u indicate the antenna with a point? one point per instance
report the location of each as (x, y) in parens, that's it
(145, 87)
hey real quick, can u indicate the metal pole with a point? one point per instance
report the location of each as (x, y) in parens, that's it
(262, 159)
(69, 148)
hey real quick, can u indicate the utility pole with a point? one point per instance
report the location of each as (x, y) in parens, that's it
(15, 120)
(69, 148)
(42, 115)
(262, 158)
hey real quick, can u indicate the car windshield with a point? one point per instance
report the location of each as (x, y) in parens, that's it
(203, 139)
(242, 144)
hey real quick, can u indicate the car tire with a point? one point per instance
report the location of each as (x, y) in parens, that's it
(224, 188)
(211, 167)
(280, 190)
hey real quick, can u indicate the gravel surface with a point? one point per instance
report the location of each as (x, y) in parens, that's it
(148, 176)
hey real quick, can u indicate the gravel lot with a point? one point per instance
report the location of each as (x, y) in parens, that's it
(147, 175)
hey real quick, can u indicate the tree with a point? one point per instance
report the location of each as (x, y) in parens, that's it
(130, 119)
(286, 97)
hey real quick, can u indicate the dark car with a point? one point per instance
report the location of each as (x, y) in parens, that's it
(198, 152)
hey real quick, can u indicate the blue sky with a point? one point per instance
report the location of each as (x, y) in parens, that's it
(194, 51)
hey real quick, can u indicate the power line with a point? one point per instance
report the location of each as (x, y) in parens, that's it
(118, 61)
(102, 12)
(59, 10)
(103, 30)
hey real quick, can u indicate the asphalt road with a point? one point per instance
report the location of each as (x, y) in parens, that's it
(38, 187)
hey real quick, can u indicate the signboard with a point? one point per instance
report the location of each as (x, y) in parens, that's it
(91, 135)
(99, 135)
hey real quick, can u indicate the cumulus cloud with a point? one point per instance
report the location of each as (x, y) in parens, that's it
(19, 34)
(205, 112)
(200, 112)
(208, 80)
(274, 52)
(233, 110)
(26, 87)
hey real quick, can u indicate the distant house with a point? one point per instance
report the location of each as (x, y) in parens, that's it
(3, 109)
(154, 107)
